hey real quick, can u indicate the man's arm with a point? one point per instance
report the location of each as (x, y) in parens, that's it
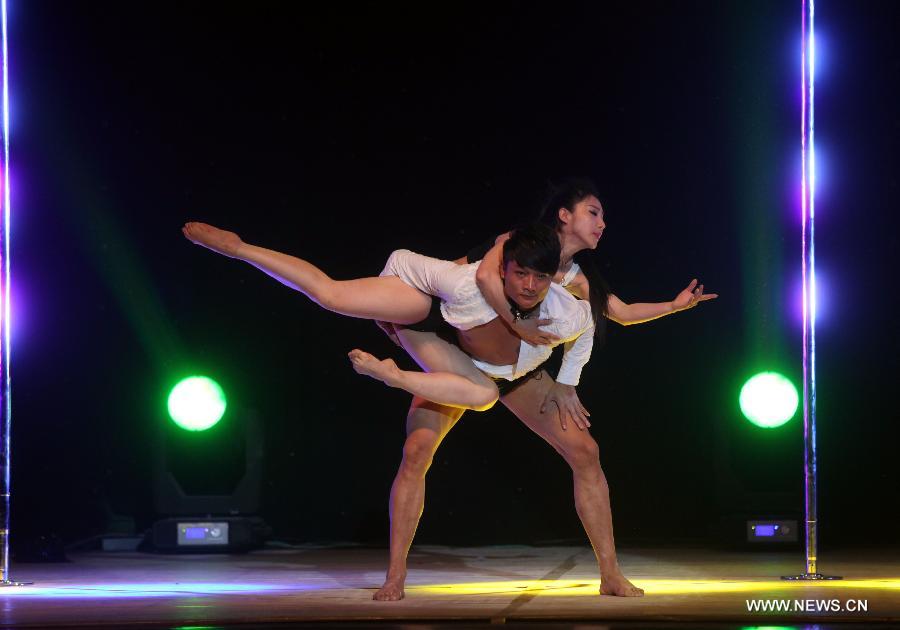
(576, 353)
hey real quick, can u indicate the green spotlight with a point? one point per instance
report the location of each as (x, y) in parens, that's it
(196, 403)
(768, 400)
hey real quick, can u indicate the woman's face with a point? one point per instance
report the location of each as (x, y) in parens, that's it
(584, 222)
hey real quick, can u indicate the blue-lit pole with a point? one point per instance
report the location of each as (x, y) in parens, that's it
(809, 284)
(4, 320)
(808, 205)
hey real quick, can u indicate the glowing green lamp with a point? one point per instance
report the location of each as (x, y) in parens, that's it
(196, 403)
(768, 400)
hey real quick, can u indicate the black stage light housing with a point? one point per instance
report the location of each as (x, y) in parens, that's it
(207, 487)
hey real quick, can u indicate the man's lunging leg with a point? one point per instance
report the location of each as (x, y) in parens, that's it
(426, 425)
(591, 490)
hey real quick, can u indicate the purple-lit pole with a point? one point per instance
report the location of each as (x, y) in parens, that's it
(5, 408)
(808, 205)
(4, 323)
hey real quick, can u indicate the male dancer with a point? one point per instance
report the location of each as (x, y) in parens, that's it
(545, 406)
(536, 400)
(429, 422)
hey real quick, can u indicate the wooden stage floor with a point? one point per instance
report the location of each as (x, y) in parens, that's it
(483, 584)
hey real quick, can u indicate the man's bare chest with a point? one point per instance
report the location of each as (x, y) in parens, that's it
(492, 343)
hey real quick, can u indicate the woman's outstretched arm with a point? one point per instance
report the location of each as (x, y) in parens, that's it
(638, 313)
(383, 298)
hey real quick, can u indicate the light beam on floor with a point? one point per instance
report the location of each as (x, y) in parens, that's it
(650, 586)
(154, 589)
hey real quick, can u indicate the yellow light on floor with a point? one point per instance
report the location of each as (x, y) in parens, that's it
(650, 586)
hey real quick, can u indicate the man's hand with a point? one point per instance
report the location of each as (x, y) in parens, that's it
(691, 297)
(390, 331)
(529, 331)
(569, 406)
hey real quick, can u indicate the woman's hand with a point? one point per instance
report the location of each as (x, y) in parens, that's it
(691, 297)
(569, 406)
(529, 331)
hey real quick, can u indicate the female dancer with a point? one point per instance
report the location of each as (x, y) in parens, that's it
(386, 298)
(533, 252)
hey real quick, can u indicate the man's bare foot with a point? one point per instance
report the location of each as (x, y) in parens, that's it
(391, 591)
(364, 363)
(225, 243)
(618, 585)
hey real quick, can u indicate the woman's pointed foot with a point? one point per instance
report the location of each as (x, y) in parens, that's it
(220, 241)
(383, 370)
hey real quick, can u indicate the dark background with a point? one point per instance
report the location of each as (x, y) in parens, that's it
(342, 131)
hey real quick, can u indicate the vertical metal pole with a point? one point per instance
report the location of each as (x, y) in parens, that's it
(4, 321)
(5, 407)
(809, 285)
(808, 205)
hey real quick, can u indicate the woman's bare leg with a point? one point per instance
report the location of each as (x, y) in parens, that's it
(580, 451)
(471, 390)
(386, 298)
(383, 298)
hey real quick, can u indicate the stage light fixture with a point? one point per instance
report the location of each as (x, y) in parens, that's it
(196, 403)
(768, 400)
(208, 472)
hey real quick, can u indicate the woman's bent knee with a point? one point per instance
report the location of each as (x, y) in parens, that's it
(329, 296)
(486, 398)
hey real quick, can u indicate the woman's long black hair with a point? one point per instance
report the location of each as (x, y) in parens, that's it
(565, 194)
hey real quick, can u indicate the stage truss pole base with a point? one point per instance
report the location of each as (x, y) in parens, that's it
(811, 577)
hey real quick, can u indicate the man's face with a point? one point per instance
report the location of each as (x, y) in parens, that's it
(525, 286)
